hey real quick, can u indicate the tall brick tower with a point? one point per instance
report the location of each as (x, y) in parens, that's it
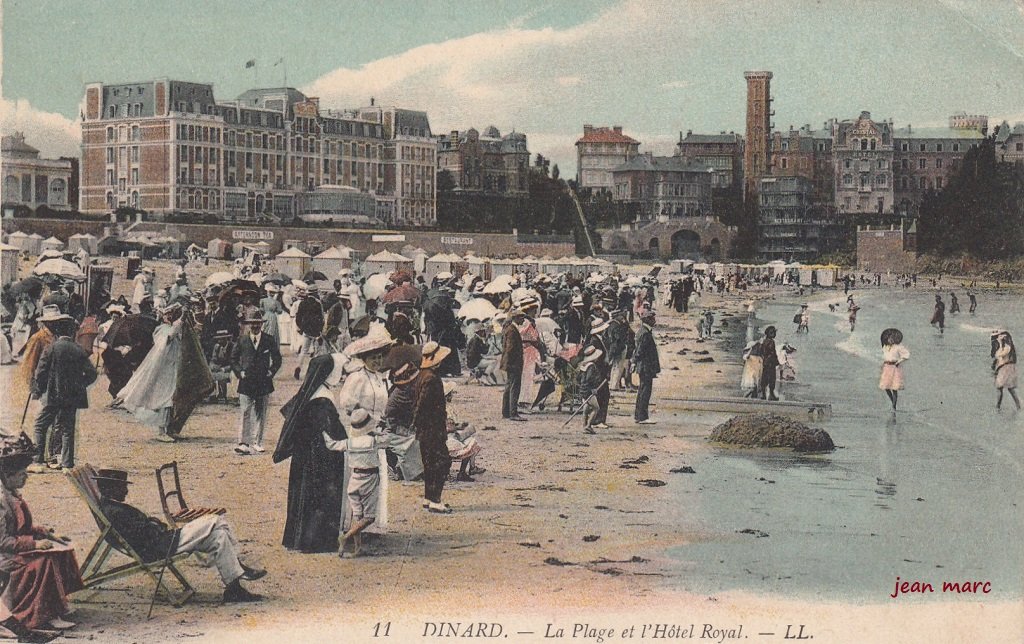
(759, 125)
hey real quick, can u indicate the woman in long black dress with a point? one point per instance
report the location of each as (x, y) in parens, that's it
(316, 478)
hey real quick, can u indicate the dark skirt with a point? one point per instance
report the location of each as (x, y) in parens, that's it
(315, 482)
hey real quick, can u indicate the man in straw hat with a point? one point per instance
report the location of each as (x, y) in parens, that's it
(254, 361)
(211, 535)
(512, 364)
(404, 459)
(430, 418)
(62, 376)
(647, 365)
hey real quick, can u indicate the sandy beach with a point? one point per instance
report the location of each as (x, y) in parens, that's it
(563, 529)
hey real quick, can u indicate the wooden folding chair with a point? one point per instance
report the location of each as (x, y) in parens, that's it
(183, 514)
(93, 572)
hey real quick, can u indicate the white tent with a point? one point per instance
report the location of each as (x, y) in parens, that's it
(51, 243)
(385, 262)
(8, 264)
(478, 266)
(35, 243)
(293, 262)
(78, 242)
(331, 261)
(501, 267)
(217, 248)
(439, 263)
(18, 240)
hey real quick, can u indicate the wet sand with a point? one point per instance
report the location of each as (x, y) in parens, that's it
(562, 528)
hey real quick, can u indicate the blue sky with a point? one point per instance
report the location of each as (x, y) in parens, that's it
(543, 68)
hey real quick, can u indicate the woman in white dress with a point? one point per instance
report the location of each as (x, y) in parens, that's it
(22, 327)
(1004, 364)
(894, 354)
(752, 364)
(149, 395)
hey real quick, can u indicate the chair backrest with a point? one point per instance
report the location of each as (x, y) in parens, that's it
(82, 479)
(166, 492)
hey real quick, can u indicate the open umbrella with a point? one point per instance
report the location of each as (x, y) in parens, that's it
(31, 286)
(478, 308)
(60, 268)
(49, 253)
(375, 285)
(404, 293)
(277, 278)
(896, 336)
(219, 277)
(313, 276)
(500, 284)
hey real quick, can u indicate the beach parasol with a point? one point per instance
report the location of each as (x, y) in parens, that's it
(31, 286)
(896, 336)
(500, 284)
(478, 308)
(277, 278)
(49, 254)
(219, 277)
(375, 285)
(404, 293)
(60, 268)
(314, 276)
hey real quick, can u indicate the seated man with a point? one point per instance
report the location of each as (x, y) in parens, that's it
(153, 540)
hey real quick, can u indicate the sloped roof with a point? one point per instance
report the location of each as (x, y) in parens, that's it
(387, 256)
(670, 164)
(711, 138)
(16, 143)
(605, 135)
(292, 252)
(937, 133)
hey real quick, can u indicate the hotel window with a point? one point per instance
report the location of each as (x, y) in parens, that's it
(135, 175)
(846, 164)
(938, 147)
(110, 177)
(921, 163)
(847, 180)
(956, 147)
(873, 142)
(921, 183)
(923, 147)
(110, 155)
(905, 164)
(905, 147)
(880, 180)
(784, 163)
(135, 154)
(905, 183)
(938, 163)
(110, 134)
(938, 183)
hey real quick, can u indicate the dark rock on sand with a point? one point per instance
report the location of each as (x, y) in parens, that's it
(590, 538)
(686, 469)
(771, 430)
(651, 482)
(705, 359)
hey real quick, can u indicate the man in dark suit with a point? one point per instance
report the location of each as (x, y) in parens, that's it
(154, 541)
(62, 376)
(647, 366)
(512, 364)
(255, 360)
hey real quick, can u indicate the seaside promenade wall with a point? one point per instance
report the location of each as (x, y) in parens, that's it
(369, 241)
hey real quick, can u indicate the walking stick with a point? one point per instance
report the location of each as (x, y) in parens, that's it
(584, 405)
(28, 399)
(160, 579)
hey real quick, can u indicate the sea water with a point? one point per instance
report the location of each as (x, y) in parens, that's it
(931, 493)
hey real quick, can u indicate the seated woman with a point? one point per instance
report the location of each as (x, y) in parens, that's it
(39, 566)
(461, 441)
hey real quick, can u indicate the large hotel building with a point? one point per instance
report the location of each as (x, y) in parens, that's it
(168, 147)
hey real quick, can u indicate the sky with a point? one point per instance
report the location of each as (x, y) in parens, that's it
(657, 68)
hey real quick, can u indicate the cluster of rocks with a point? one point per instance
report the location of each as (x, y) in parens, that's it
(771, 430)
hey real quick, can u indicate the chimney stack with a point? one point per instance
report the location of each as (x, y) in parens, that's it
(587, 129)
(617, 129)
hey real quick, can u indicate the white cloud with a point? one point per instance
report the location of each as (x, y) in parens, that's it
(54, 135)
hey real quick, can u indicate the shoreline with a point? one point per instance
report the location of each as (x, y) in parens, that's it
(560, 528)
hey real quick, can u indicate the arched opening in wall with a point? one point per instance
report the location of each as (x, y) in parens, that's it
(58, 192)
(685, 245)
(714, 251)
(654, 247)
(11, 187)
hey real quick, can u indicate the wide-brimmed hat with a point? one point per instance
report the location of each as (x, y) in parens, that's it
(16, 452)
(114, 307)
(444, 275)
(545, 313)
(221, 334)
(345, 272)
(377, 338)
(517, 312)
(51, 313)
(404, 374)
(577, 300)
(592, 353)
(449, 388)
(359, 419)
(433, 354)
(271, 287)
(148, 269)
(111, 476)
(599, 326)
